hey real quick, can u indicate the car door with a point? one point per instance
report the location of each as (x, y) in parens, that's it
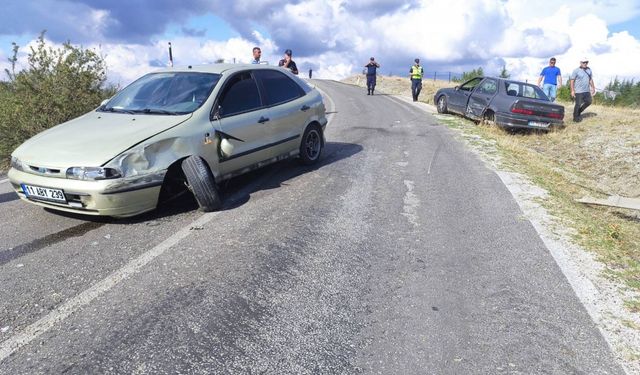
(481, 97)
(240, 117)
(286, 108)
(460, 97)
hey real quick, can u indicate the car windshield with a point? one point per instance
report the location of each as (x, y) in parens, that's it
(171, 93)
(525, 90)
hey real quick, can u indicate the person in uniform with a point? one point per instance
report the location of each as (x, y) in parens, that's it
(415, 73)
(372, 67)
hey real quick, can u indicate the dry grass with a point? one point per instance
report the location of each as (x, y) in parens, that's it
(598, 157)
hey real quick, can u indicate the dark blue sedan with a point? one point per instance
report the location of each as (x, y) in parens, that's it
(501, 101)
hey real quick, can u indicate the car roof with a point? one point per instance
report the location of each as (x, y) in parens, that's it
(217, 68)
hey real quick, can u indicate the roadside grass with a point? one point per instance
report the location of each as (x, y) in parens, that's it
(598, 157)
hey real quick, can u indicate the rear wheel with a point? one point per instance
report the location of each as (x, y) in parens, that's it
(489, 118)
(311, 145)
(201, 183)
(442, 104)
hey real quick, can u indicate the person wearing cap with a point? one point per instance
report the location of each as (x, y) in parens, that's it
(257, 53)
(288, 63)
(372, 67)
(415, 73)
(582, 87)
(552, 79)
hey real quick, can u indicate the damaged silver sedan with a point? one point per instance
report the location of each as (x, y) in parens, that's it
(192, 126)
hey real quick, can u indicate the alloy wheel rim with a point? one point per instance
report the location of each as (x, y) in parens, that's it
(312, 145)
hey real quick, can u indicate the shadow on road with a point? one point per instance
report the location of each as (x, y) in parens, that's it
(8, 197)
(234, 194)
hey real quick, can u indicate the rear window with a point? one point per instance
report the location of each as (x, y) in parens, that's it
(525, 90)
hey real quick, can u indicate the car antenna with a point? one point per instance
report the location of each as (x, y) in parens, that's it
(170, 56)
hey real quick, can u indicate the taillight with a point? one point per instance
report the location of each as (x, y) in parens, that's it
(522, 111)
(554, 115)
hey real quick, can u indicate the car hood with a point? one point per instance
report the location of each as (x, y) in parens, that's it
(92, 139)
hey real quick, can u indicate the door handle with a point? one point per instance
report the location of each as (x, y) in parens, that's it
(263, 119)
(305, 108)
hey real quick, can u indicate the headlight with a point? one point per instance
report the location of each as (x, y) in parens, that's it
(92, 173)
(17, 164)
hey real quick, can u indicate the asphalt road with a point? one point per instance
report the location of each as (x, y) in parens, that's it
(400, 254)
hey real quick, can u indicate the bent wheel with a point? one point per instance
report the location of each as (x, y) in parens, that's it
(201, 183)
(311, 145)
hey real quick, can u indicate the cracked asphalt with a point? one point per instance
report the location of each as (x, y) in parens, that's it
(401, 253)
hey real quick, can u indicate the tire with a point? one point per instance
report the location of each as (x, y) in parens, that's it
(312, 145)
(201, 183)
(442, 104)
(489, 118)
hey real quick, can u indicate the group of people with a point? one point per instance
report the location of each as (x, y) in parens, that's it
(550, 80)
(580, 82)
(415, 75)
(285, 62)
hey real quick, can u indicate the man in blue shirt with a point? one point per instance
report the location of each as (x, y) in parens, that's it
(257, 53)
(372, 68)
(552, 79)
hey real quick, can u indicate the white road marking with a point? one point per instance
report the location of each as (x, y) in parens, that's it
(71, 306)
(3, 181)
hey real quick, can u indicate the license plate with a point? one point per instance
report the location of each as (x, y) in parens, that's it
(539, 124)
(37, 192)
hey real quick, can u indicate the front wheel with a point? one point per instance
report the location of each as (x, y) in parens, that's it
(311, 145)
(442, 104)
(201, 183)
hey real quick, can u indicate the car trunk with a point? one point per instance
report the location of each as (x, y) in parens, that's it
(543, 110)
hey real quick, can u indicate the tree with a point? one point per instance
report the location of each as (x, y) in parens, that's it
(57, 85)
(469, 75)
(504, 73)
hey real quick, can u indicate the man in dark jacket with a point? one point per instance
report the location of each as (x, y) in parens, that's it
(372, 67)
(286, 62)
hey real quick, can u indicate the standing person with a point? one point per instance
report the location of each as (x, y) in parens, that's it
(286, 62)
(310, 73)
(257, 53)
(372, 67)
(552, 79)
(415, 73)
(582, 87)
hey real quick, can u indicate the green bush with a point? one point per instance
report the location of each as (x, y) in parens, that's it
(57, 85)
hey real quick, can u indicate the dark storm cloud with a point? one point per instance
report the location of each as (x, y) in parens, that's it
(131, 21)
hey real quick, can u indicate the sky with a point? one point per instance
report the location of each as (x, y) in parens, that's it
(335, 38)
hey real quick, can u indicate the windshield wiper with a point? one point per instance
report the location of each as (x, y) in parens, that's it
(156, 111)
(117, 110)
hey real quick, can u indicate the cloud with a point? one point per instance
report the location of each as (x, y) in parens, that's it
(336, 37)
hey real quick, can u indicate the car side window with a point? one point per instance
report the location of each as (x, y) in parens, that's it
(239, 96)
(278, 87)
(468, 86)
(488, 86)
